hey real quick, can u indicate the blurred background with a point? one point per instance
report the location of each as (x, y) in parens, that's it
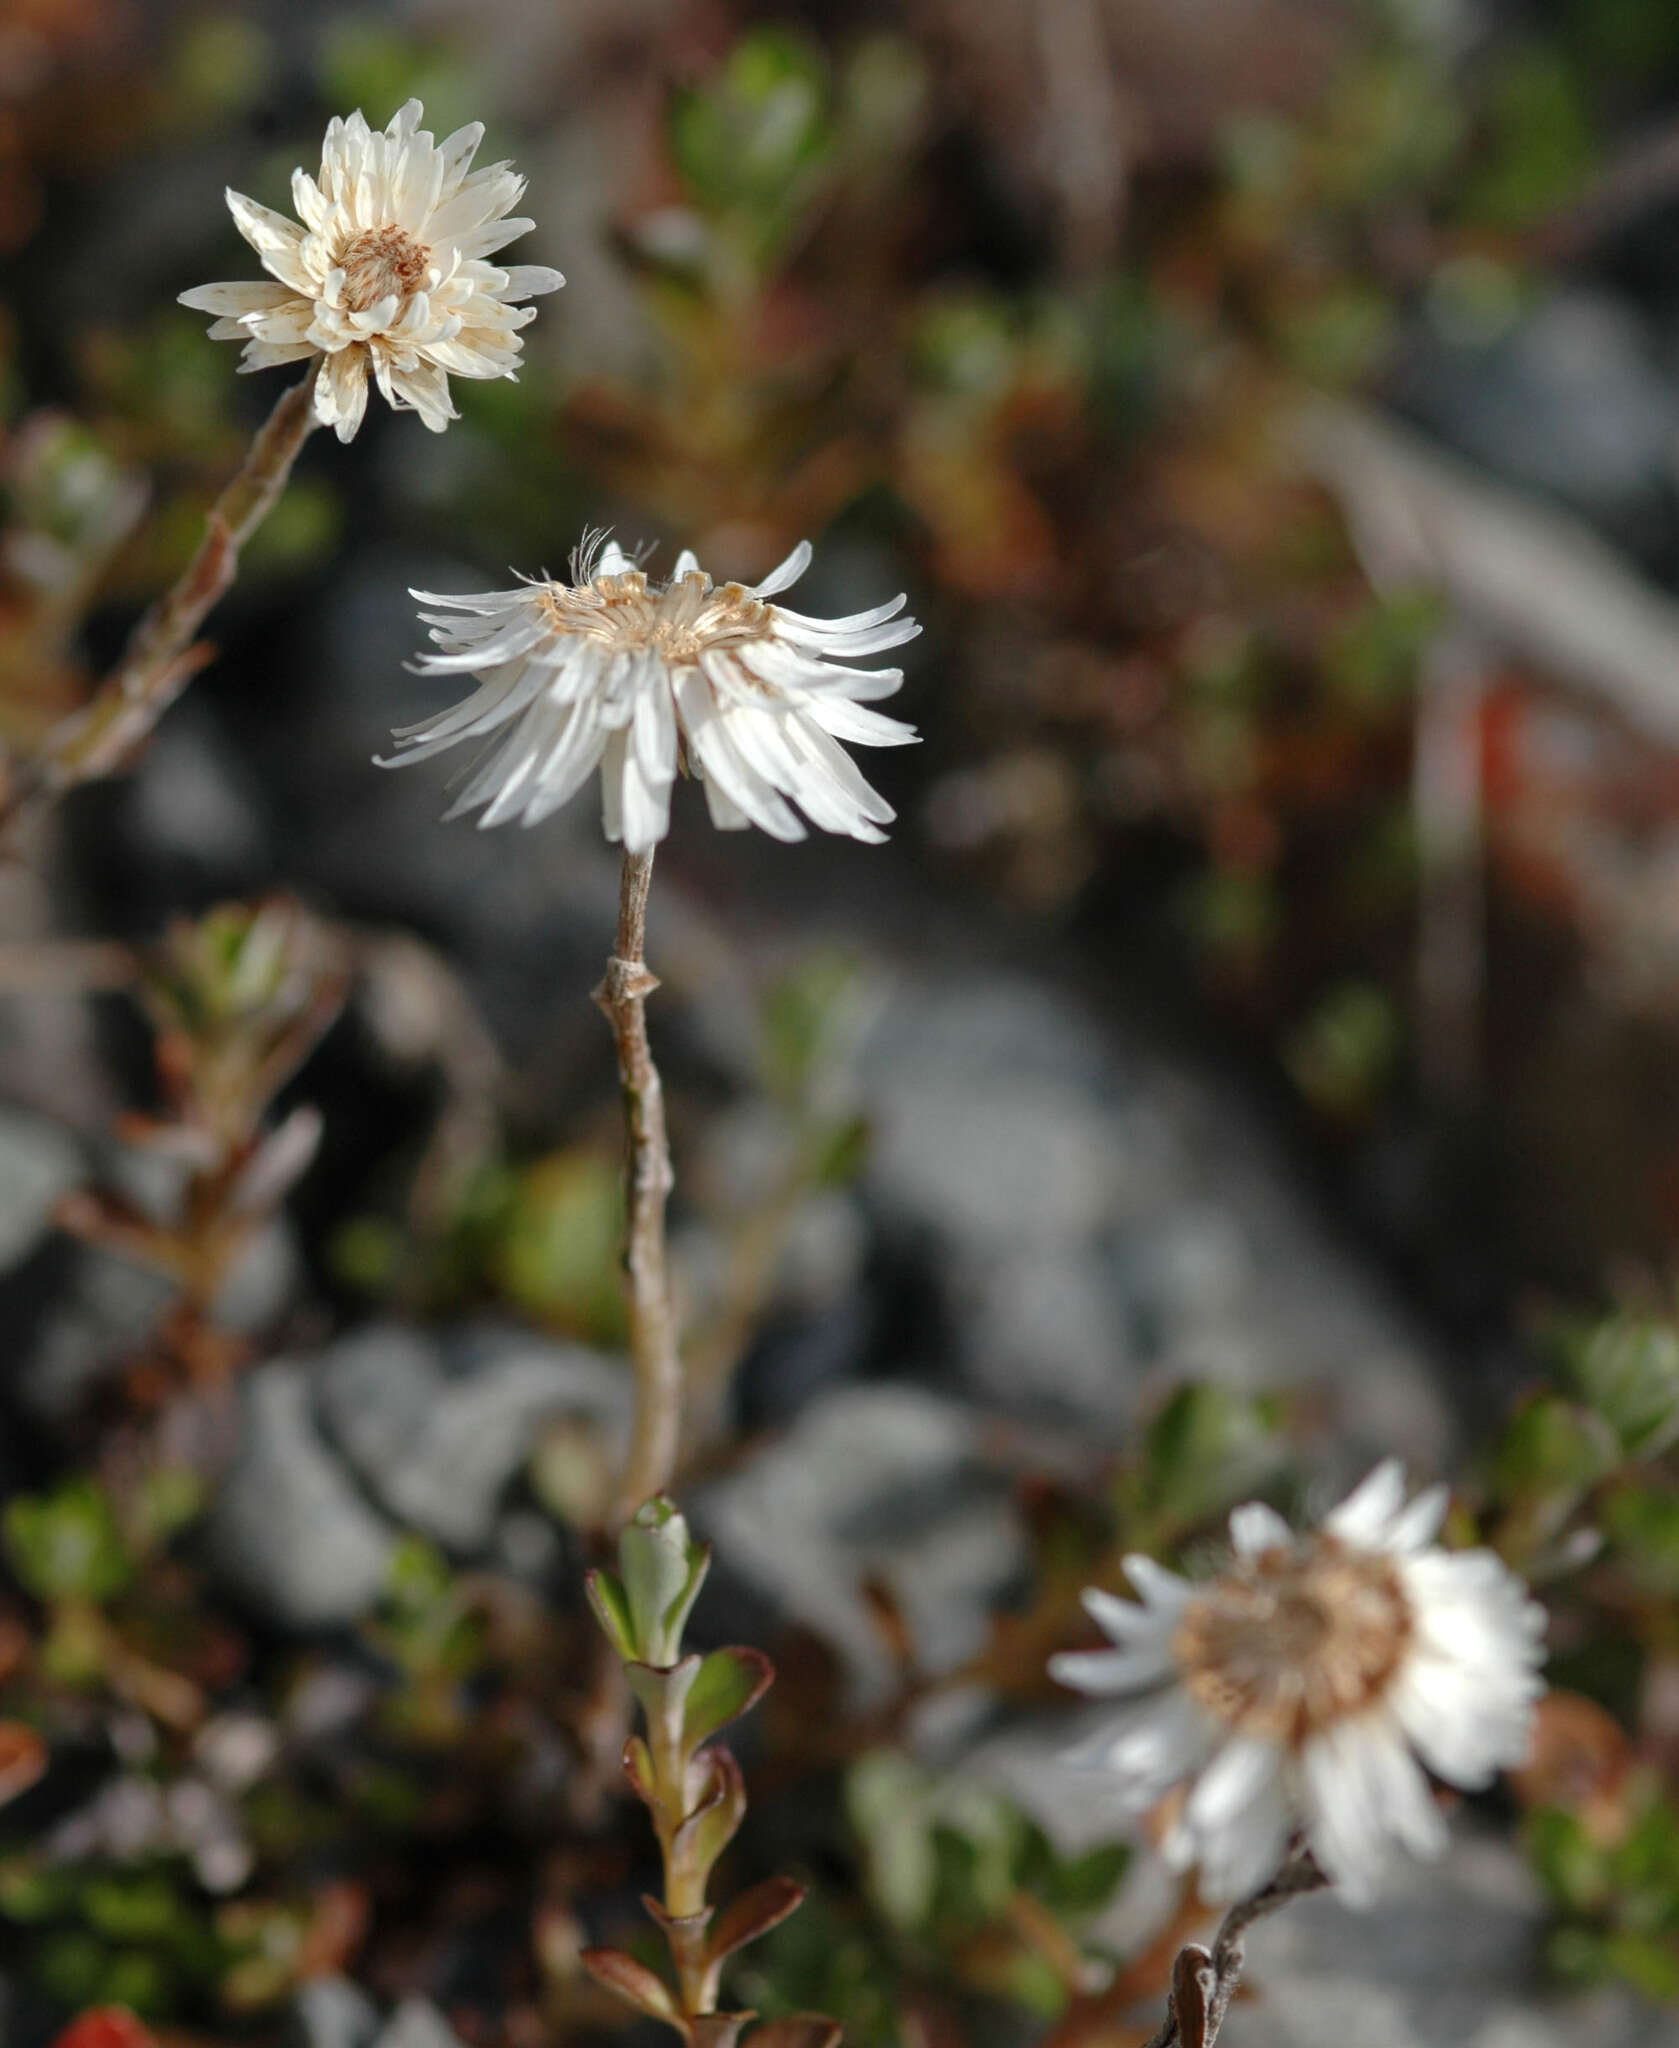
(1255, 1049)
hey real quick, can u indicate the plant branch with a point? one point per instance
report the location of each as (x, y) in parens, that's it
(1204, 1981)
(161, 656)
(622, 996)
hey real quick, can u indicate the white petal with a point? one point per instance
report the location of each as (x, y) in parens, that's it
(1104, 1672)
(1124, 1620)
(1256, 1528)
(1230, 1783)
(1418, 1525)
(276, 240)
(529, 281)
(1344, 1820)
(785, 574)
(1364, 1515)
(1249, 1847)
(236, 301)
(341, 392)
(1159, 1587)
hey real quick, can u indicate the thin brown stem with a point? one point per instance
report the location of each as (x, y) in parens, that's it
(622, 996)
(161, 656)
(1204, 1981)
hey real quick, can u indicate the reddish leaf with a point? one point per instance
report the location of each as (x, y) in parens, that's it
(1579, 1757)
(627, 1979)
(719, 2029)
(106, 2026)
(23, 1758)
(755, 1912)
(798, 2030)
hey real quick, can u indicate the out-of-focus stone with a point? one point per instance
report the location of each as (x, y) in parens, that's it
(437, 1431)
(886, 1483)
(39, 1163)
(1103, 1225)
(289, 1531)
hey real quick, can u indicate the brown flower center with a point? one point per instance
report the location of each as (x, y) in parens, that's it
(381, 263)
(1294, 1638)
(679, 623)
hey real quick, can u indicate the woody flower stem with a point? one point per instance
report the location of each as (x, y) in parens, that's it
(161, 657)
(1204, 1981)
(622, 996)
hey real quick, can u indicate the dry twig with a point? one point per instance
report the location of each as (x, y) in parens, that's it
(161, 656)
(622, 996)
(1204, 1980)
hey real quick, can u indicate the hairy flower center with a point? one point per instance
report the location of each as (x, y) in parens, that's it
(381, 263)
(1293, 1639)
(679, 624)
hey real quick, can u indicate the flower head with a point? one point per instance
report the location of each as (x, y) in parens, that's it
(387, 272)
(1297, 1691)
(616, 671)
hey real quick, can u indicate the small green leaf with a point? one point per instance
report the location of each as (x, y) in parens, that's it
(66, 1545)
(886, 1798)
(612, 1610)
(1627, 1369)
(1207, 1448)
(638, 1768)
(557, 1250)
(663, 1569)
(1644, 1524)
(714, 1823)
(726, 1685)
(745, 140)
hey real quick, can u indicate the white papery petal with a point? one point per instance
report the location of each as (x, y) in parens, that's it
(783, 576)
(1098, 1672)
(1263, 1752)
(1159, 1587)
(1256, 1528)
(665, 670)
(1364, 1515)
(420, 309)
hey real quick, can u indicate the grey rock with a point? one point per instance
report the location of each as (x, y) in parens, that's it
(437, 1432)
(1449, 1959)
(1572, 401)
(417, 2023)
(39, 1163)
(1047, 1328)
(1105, 1225)
(331, 2012)
(100, 1312)
(1022, 1163)
(197, 809)
(263, 1280)
(289, 1531)
(886, 1482)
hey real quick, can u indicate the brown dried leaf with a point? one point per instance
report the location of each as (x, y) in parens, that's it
(1579, 1759)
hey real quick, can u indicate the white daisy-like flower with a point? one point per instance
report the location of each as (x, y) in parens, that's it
(616, 671)
(1297, 1691)
(386, 273)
